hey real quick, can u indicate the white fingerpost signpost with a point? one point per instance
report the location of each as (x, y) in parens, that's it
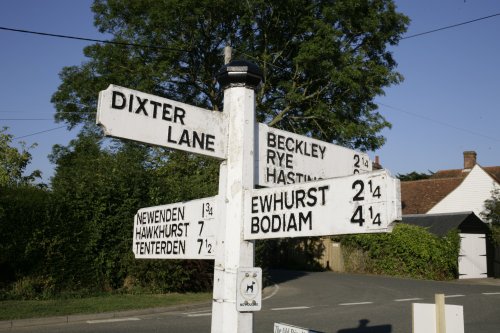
(303, 198)
(183, 230)
(134, 115)
(239, 80)
(288, 158)
(362, 203)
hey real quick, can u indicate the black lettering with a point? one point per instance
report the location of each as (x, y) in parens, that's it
(323, 189)
(306, 153)
(169, 135)
(322, 151)
(292, 224)
(271, 154)
(311, 194)
(185, 138)
(255, 225)
(281, 177)
(255, 205)
(265, 203)
(278, 201)
(300, 195)
(271, 140)
(130, 103)
(114, 100)
(304, 220)
(314, 150)
(179, 113)
(265, 228)
(270, 173)
(288, 160)
(166, 112)
(209, 142)
(276, 223)
(288, 141)
(298, 147)
(289, 205)
(281, 142)
(142, 105)
(155, 107)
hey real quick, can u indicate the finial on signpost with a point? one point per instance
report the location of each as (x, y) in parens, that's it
(239, 73)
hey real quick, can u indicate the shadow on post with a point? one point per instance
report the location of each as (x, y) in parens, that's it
(365, 328)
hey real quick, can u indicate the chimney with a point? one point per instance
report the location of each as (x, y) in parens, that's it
(469, 159)
(376, 165)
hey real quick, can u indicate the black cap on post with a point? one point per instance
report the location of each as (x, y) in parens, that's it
(239, 73)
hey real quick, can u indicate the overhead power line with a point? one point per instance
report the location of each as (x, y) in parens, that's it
(450, 26)
(442, 123)
(18, 119)
(104, 41)
(45, 131)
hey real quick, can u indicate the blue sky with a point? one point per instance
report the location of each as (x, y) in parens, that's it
(448, 103)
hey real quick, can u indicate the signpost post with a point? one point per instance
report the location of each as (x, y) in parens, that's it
(238, 79)
(224, 227)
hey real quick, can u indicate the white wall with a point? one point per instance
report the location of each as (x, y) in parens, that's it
(469, 195)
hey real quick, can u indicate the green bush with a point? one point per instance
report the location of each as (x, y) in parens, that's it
(408, 251)
(33, 287)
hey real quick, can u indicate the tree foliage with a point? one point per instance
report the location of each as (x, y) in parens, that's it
(414, 175)
(13, 162)
(324, 62)
(491, 214)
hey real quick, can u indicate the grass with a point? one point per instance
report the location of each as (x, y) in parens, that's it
(107, 303)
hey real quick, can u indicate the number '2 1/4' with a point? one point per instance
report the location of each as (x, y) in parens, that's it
(360, 161)
(357, 217)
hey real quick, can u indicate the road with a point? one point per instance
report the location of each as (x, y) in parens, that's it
(324, 301)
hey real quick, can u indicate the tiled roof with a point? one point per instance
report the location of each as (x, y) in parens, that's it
(418, 197)
(494, 172)
(454, 173)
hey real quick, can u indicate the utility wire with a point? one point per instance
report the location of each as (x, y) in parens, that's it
(450, 26)
(440, 122)
(93, 40)
(49, 130)
(18, 119)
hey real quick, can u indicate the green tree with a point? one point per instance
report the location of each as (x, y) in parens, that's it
(414, 176)
(491, 214)
(324, 62)
(99, 187)
(13, 162)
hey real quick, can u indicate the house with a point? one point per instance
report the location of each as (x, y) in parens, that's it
(454, 199)
(451, 191)
(448, 200)
(476, 251)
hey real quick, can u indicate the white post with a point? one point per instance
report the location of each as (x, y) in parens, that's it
(440, 313)
(239, 79)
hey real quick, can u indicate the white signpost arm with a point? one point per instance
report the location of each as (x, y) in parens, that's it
(239, 79)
